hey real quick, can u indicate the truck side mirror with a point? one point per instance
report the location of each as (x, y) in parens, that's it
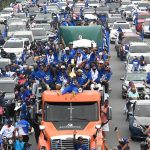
(42, 127)
(109, 113)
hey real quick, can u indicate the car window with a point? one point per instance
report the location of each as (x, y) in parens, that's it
(139, 49)
(142, 110)
(123, 26)
(13, 44)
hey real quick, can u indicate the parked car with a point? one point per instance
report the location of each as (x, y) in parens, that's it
(139, 118)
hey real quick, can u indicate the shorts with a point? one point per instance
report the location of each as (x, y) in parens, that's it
(105, 127)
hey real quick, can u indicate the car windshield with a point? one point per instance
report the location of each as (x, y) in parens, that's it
(121, 25)
(125, 3)
(142, 110)
(147, 59)
(147, 23)
(28, 36)
(113, 19)
(16, 28)
(143, 4)
(38, 32)
(126, 40)
(136, 76)
(65, 111)
(139, 49)
(13, 44)
(143, 16)
(45, 26)
(128, 8)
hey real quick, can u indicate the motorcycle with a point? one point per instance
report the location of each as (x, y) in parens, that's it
(8, 143)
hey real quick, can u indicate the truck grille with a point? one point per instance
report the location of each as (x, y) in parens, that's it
(66, 144)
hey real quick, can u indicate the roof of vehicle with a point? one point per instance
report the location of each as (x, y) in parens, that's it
(138, 44)
(22, 32)
(143, 13)
(15, 40)
(147, 19)
(17, 23)
(86, 96)
(7, 79)
(143, 102)
(36, 29)
(130, 34)
(121, 22)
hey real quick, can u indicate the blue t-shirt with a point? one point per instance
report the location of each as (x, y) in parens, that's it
(80, 147)
(19, 145)
(23, 126)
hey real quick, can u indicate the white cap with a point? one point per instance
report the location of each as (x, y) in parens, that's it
(67, 49)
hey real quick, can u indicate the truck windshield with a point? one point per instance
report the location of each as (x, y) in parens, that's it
(66, 111)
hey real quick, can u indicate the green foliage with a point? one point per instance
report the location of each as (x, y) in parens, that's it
(5, 3)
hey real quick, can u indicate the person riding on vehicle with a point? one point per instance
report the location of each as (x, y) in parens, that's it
(7, 130)
(133, 94)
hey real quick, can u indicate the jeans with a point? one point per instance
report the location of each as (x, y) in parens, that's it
(69, 89)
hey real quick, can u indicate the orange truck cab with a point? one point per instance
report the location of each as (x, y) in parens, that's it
(62, 115)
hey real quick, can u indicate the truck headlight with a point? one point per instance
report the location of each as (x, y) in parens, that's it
(43, 148)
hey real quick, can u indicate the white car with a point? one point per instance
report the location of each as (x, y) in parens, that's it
(16, 46)
(146, 27)
(124, 25)
(138, 49)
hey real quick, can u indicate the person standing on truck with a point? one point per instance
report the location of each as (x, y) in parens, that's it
(79, 144)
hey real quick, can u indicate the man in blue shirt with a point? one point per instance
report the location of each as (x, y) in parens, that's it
(106, 78)
(79, 144)
(86, 77)
(136, 64)
(23, 128)
(148, 78)
(62, 78)
(19, 144)
(66, 58)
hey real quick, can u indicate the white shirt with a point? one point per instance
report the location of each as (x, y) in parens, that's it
(7, 132)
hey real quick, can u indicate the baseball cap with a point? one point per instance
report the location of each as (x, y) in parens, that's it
(62, 67)
(67, 49)
(79, 70)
